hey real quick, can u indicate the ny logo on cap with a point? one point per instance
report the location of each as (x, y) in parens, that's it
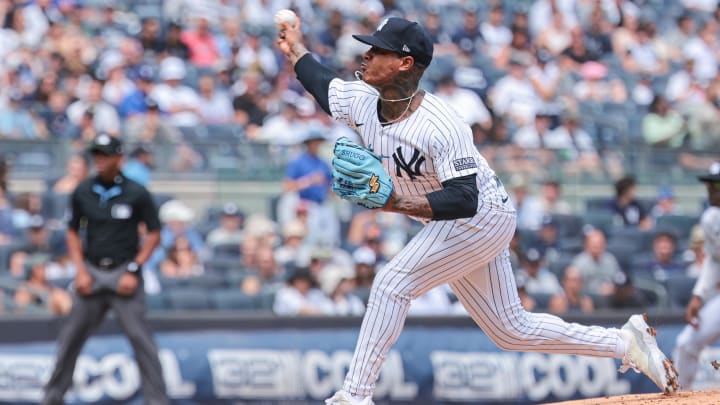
(382, 24)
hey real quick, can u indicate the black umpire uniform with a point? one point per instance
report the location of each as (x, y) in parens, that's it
(109, 207)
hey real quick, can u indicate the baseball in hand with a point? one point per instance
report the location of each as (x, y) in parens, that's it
(285, 16)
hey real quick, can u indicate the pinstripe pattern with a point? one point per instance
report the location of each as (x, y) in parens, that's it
(470, 254)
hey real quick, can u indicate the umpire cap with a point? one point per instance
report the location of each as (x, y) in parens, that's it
(401, 36)
(713, 175)
(105, 144)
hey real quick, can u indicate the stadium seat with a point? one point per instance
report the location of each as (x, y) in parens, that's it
(233, 299)
(595, 204)
(679, 288)
(362, 293)
(222, 265)
(155, 302)
(172, 282)
(559, 265)
(5, 252)
(235, 278)
(54, 206)
(599, 301)
(207, 280)
(654, 292)
(161, 198)
(602, 220)
(629, 236)
(571, 246)
(624, 254)
(188, 299)
(682, 224)
(542, 301)
(569, 226)
(266, 299)
(227, 251)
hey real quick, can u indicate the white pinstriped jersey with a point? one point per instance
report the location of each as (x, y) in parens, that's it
(708, 284)
(429, 147)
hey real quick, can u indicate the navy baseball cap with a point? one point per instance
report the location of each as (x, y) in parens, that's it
(713, 175)
(105, 144)
(401, 36)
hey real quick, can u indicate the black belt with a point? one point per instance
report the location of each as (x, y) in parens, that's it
(107, 262)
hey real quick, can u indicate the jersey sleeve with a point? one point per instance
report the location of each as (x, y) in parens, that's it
(707, 281)
(148, 211)
(340, 100)
(455, 155)
(75, 214)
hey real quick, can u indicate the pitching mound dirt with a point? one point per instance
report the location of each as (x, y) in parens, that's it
(682, 398)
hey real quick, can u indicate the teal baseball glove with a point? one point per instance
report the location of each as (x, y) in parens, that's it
(358, 175)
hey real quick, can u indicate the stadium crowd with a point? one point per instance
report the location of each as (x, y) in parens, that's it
(568, 84)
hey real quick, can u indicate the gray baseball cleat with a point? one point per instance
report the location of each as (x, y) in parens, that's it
(644, 355)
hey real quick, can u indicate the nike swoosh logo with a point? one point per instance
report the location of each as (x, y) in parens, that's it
(504, 200)
(359, 124)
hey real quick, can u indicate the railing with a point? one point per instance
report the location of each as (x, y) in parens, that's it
(224, 154)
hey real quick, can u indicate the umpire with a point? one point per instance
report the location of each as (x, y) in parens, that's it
(110, 208)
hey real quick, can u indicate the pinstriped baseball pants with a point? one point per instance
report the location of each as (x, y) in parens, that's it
(471, 255)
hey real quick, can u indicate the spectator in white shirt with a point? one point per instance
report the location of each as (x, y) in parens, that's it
(513, 96)
(542, 11)
(300, 296)
(703, 49)
(495, 34)
(644, 56)
(537, 278)
(435, 302)
(118, 86)
(179, 101)
(677, 37)
(575, 146)
(704, 6)
(528, 206)
(338, 282)
(682, 88)
(105, 117)
(214, 105)
(466, 102)
(555, 37)
(545, 78)
(534, 136)
(254, 54)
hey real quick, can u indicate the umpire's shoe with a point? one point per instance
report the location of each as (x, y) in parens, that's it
(643, 355)
(344, 398)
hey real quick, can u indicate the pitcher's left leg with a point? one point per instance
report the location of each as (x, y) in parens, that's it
(490, 297)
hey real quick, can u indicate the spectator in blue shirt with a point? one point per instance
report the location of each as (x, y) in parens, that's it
(309, 177)
(664, 261)
(136, 102)
(16, 122)
(140, 164)
(626, 207)
(308, 174)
